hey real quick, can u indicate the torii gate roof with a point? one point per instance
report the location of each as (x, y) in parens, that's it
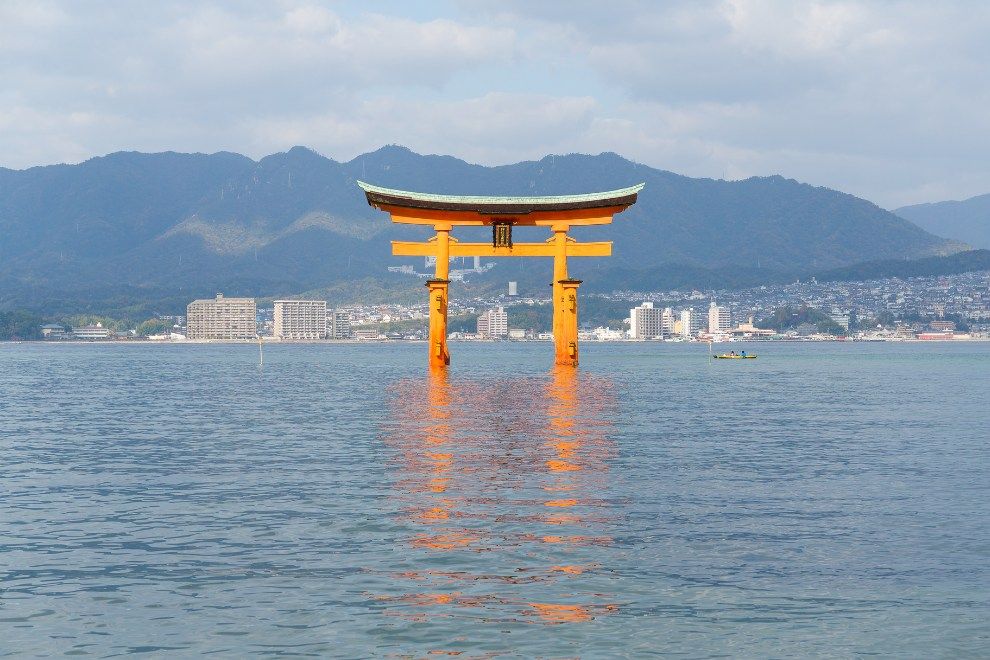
(378, 196)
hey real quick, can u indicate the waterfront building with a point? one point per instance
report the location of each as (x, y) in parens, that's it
(300, 319)
(607, 334)
(494, 324)
(222, 318)
(645, 322)
(749, 330)
(936, 336)
(338, 324)
(691, 322)
(904, 330)
(667, 322)
(841, 318)
(91, 332)
(53, 331)
(370, 332)
(719, 319)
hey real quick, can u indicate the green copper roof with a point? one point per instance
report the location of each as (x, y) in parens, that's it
(483, 200)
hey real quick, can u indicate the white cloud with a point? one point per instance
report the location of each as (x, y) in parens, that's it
(21, 20)
(312, 19)
(866, 97)
(885, 100)
(312, 45)
(494, 128)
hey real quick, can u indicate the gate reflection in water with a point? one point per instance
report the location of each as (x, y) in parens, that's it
(503, 488)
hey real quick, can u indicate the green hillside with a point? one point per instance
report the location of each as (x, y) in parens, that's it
(967, 221)
(152, 231)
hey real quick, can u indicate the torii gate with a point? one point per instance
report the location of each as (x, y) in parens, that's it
(559, 213)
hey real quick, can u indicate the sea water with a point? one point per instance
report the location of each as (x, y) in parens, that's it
(822, 500)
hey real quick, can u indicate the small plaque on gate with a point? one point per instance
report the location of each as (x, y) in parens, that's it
(502, 235)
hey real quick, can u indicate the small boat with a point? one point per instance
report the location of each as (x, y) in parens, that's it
(726, 356)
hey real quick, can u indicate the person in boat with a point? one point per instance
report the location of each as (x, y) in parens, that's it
(743, 354)
(732, 352)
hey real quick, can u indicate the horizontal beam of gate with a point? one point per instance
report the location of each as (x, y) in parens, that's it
(596, 216)
(413, 249)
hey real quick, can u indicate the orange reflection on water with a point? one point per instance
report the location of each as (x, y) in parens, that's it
(486, 468)
(443, 541)
(557, 465)
(573, 570)
(436, 513)
(556, 613)
(577, 539)
(568, 613)
(437, 485)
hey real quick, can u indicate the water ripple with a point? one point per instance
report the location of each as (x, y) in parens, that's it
(824, 500)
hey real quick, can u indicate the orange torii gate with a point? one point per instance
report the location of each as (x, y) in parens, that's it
(559, 213)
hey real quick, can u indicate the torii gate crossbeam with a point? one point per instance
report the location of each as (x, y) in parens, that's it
(558, 213)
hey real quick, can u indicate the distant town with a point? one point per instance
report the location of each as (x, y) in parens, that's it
(954, 307)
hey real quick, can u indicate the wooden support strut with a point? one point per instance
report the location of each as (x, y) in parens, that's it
(457, 249)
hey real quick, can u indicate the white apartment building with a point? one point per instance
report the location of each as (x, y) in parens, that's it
(494, 323)
(645, 322)
(719, 319)
(842, 318)
(338, 324)
(667, 321)
(91, 332)
(300, 319)
(222, 318)
(691, 322)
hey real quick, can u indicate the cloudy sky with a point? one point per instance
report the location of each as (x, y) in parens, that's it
(888, 100)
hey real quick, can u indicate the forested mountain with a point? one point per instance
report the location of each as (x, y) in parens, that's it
(132, 227)
(678, 276)
(967, 221)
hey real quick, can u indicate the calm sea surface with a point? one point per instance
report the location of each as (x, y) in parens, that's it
(823, 500)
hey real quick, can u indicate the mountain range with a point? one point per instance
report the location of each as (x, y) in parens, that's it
(166, 227)
(967, 221)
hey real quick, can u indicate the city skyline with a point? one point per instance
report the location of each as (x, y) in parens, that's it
(935, 307)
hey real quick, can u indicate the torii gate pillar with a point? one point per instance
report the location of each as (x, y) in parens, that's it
(565, 317)
(565, 313)
(439, 356)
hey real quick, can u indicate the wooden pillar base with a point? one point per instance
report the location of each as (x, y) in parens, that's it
(439, 356)
(565, 312)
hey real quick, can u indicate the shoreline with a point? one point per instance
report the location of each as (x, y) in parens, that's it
(299, 342)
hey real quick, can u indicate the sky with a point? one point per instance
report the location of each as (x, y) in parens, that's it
(887, 100)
